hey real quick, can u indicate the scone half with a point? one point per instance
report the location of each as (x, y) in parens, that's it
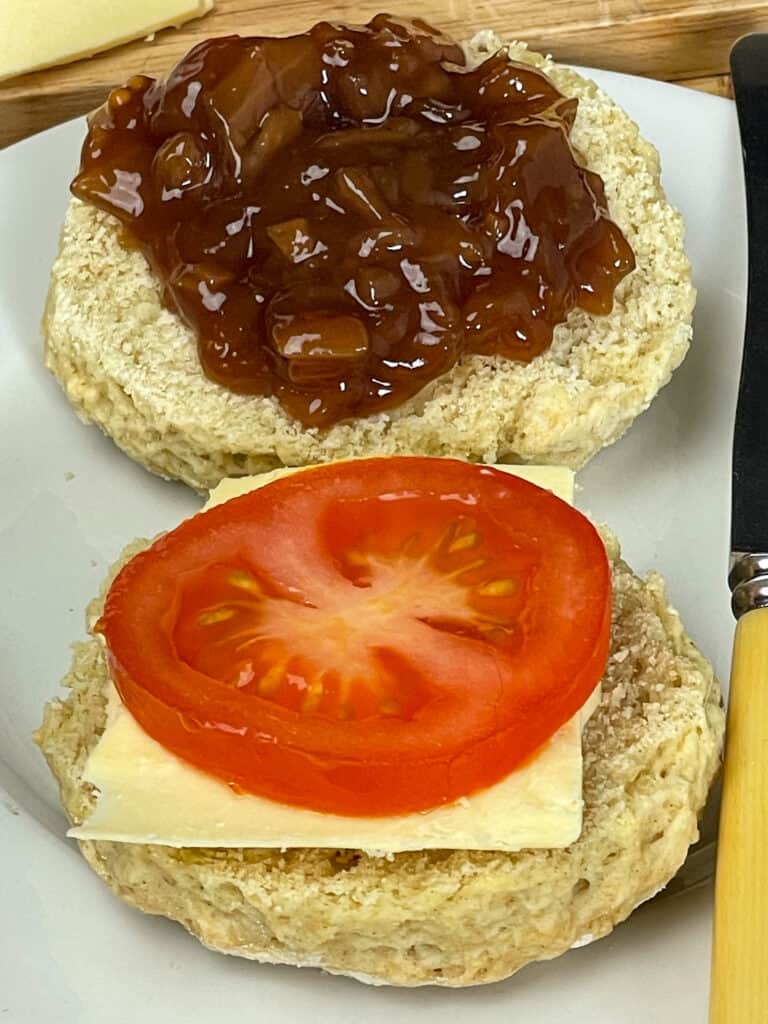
(454, 918)
(130, 365)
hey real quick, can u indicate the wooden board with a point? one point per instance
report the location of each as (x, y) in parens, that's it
(676, 40)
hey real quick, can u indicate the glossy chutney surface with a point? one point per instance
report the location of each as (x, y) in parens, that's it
(340, 216)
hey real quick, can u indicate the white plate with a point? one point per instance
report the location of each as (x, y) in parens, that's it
(69, 500)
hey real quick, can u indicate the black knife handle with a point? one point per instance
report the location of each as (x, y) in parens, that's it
(749, 531)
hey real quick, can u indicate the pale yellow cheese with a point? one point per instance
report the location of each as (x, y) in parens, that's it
(148, 795)
(39, 33)
(557, 479)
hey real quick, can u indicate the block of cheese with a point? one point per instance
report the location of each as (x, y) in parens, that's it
(39, 33)
(148, 795)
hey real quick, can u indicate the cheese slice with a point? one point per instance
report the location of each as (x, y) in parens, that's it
(147, 795)
(39, 33)
(557, 479)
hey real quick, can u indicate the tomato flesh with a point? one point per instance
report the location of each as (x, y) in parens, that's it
(374, 637)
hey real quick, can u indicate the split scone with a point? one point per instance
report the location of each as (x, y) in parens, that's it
(129, 362)
(447, 908)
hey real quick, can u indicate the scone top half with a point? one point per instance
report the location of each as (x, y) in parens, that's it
(485, 267)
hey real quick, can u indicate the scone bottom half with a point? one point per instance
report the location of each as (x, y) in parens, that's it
(130, 364)
(651, 749)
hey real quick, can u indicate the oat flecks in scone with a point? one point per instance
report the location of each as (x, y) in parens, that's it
(130, 366)
(447, 917)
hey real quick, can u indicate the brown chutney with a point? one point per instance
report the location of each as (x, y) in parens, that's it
(340, 216)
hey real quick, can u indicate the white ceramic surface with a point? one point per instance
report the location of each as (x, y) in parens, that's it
(70, 953)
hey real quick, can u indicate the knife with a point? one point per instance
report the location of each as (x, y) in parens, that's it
(739, 993)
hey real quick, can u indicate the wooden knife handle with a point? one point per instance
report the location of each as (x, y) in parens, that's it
(740, 950)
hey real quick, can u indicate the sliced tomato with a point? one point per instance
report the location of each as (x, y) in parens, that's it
(372, 637)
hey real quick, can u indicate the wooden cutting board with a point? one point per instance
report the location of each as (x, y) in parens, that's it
(676, 40)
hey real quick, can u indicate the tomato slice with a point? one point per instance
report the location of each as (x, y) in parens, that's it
(373, 637)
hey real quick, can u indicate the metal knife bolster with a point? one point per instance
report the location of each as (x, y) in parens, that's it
(748, 580)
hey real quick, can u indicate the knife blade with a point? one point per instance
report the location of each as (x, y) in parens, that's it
(739, 993)
(749, 482)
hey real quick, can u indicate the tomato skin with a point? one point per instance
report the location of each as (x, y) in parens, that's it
(473, 702)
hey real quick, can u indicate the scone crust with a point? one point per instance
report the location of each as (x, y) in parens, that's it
(131, 366)
(449, 918)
